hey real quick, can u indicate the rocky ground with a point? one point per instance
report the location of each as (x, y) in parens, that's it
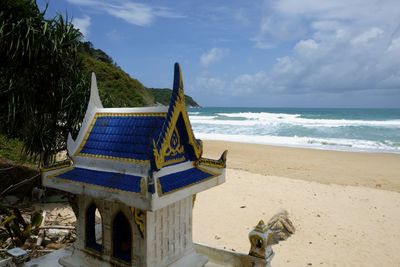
(56, 231)
(20, 193)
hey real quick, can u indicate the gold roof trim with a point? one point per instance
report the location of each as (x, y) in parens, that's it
(220, 163)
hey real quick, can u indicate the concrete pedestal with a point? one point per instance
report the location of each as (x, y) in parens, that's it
(161, 238)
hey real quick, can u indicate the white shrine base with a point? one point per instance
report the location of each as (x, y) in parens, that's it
(216, 258)
(78, 258)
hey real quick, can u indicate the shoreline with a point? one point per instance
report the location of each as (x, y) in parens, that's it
(280, 142)
(369, 169)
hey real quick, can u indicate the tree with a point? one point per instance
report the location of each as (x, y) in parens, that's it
(43, 92)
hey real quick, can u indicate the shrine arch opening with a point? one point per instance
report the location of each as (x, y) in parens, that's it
(94, 228)
(122, 238)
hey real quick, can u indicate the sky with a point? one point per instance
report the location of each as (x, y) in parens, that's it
(277, 53)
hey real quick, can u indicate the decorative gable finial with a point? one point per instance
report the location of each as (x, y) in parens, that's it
(94, 102)
(94, 93)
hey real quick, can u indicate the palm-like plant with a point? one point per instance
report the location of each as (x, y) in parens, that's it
(18, 229)
(43, 92)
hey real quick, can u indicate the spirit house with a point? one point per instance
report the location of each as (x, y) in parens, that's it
(139, 169)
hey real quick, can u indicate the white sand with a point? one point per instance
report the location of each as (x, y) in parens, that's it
(336, 225)
(375, 170)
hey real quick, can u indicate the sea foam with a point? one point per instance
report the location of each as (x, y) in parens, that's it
(269, 118)
(337, 130)
(307, 142)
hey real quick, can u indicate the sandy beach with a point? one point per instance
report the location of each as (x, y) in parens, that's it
(345, 205)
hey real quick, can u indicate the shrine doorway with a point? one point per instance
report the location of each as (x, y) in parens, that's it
(122, 237)
(94, 229)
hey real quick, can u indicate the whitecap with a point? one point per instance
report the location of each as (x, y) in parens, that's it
(309, 142)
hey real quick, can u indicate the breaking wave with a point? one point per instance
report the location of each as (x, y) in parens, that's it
(341, 131)
(265, 118)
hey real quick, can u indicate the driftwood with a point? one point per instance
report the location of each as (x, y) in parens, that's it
(7, 168)
(30, 250)
(43, 250)
(15, 186)
(64, 227)
(41, 231)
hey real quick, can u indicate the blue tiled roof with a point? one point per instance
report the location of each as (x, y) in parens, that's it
(123, 136)
(182, 179)
(113, 180)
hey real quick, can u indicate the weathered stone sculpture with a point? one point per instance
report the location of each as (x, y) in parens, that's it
(281, 227)
(262, 237)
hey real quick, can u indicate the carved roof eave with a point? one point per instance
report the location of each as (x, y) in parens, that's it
(94, 104)
(177, 107)
(218, 164)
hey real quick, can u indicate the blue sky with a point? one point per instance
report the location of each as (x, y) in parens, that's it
(282, 53)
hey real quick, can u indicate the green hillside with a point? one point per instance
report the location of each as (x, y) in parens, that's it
(116, 87)
(163, 95)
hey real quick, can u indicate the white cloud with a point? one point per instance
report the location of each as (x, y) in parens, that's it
(134, 13)
(82, 24)
(357, 10)
(306, 46)
(247, 84)
(336, 49)
(213, 55)
(394, 45)
(366, 36)
(329, 65)
(288, 20)
(337, 46)
(208, 83)
(274, 30)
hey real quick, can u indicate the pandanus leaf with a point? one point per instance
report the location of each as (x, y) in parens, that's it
(36, 219)
(19, 218)
(7, 220)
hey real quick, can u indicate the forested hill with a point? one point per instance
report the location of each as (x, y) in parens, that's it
(117, 88)
(163, 95)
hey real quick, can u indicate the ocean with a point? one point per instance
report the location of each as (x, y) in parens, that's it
(372, 130)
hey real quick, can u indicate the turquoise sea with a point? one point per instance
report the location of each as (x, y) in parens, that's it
(374, 130)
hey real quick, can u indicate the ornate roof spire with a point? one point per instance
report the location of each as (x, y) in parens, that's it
(177, 107)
